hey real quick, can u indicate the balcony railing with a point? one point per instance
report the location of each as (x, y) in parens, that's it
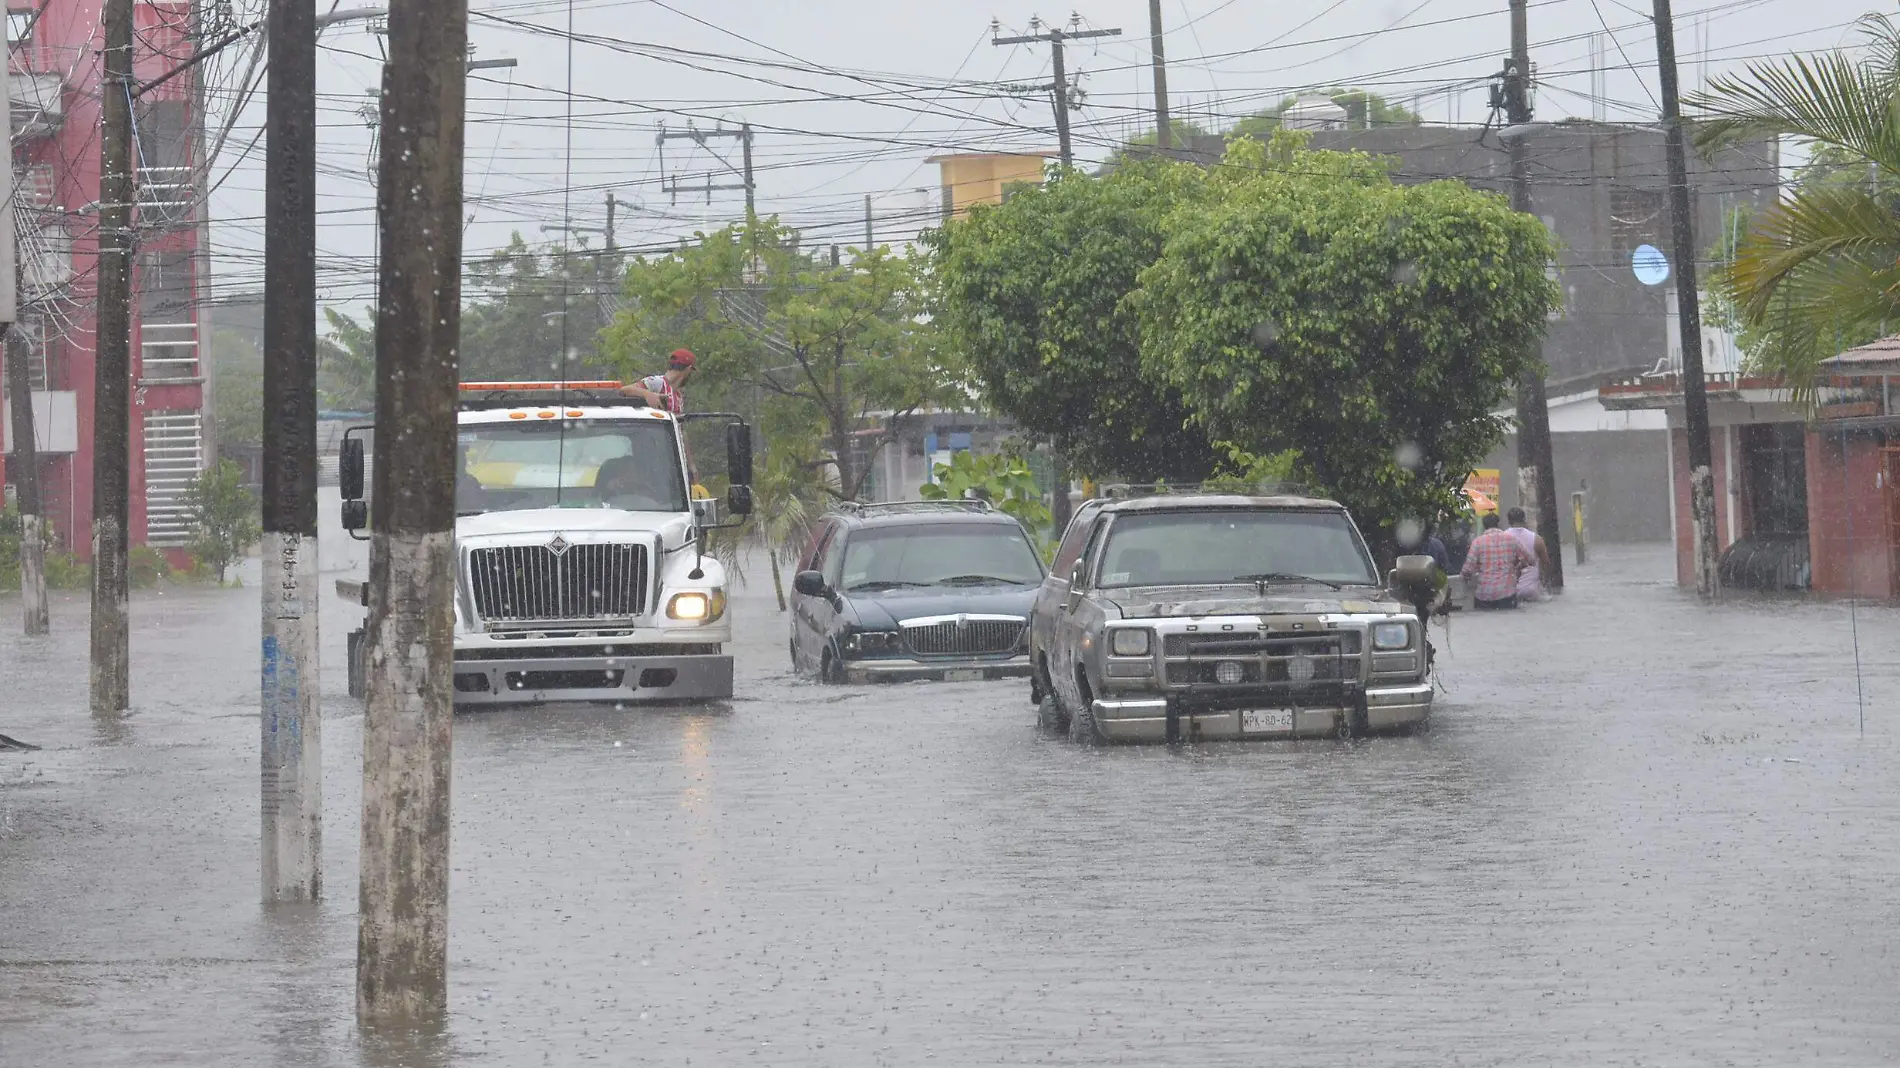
(168, 352)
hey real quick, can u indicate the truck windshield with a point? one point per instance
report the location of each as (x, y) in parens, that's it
(1231, 545)
(631, 464)
(939, 555)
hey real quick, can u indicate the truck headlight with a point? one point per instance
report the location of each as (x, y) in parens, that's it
(1391, 636)
(1128, 641)
(695, 606)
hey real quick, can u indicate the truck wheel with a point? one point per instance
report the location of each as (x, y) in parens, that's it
(1082, 726)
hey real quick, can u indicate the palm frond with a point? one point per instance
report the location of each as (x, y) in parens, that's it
(1846, 238)
(1832, 98)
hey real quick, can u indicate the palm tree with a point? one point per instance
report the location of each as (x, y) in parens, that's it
(1820, 269)
(785, 496)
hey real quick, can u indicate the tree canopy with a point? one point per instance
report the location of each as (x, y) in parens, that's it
(830, 355)
(1031, 296)
(1370, 329)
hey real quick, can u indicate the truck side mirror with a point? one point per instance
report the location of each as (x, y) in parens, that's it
(809, 583)
(355, 515)
(349, 471)
(739, 458)
(739, 500)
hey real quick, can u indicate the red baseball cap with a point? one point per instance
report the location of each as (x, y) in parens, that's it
(680, 358)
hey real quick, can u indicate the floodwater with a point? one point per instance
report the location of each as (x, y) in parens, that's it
(1641, 832)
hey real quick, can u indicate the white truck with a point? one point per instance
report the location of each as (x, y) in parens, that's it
(580, 537)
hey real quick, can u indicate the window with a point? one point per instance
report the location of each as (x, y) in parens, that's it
(941, 554)
(594, 463)
(1071, 548)
(1197, 548)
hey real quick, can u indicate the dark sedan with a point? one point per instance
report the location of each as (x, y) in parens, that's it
(921, 590)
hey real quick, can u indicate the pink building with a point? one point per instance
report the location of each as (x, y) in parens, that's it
(54, 75)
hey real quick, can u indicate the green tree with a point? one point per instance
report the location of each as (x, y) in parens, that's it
(514, 301)
(346, 363)
(1032, 295)
(237, 375)
(1364, 110)
(226, 516)
(828, 356)
(1003, 480)
(1369, 328)
(1819, 269)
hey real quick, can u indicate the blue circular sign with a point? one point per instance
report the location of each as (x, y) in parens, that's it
(1650, 266)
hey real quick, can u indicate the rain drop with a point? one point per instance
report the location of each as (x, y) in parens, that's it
(1408, 456)
(1409, 533)
(1265, 334)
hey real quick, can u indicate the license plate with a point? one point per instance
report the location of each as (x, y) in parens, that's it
(963, 675)
(1266, 719)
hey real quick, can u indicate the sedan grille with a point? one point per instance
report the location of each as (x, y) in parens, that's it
(967, 637)
(536, 584)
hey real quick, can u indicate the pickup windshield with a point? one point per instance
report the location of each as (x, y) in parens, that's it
(1278, 547)
(631, 464)
(950, 554)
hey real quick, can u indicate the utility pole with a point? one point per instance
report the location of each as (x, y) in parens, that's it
(869, 235)
(1536, 471)
(290, 779)
(743, 135)
(1059, 510)
(402, 933)
(25, 462)
(112, 395)
(1695, 396)
(1164, 135)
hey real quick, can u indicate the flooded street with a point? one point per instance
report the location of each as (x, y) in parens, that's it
(1640, 832)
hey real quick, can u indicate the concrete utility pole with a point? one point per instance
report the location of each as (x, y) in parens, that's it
(869, 234)
(1059, 510)
(1695, 396)
(1536, 470)
(291, 771)
(112, 394)
(25, 462)
(1164, 135)
(402, 933)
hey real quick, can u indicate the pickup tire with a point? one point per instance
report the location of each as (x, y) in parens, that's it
(1051, 716)
(1082, 726)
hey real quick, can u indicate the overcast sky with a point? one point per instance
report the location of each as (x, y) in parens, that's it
(848, 98)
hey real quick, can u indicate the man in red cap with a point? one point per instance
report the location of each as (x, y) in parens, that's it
(663, 391)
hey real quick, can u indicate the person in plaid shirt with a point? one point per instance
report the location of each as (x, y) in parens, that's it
(1496, 560)
(663, 391)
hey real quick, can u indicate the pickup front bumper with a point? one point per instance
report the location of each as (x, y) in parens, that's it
(1161, 718)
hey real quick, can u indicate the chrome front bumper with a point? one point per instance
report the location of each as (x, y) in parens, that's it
(696, 677)
(906, 670)
(1145, 718)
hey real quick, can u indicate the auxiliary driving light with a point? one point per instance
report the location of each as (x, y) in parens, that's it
(1229, 672)
(1301, 669)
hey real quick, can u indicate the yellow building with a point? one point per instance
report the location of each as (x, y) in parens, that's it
(985, 177)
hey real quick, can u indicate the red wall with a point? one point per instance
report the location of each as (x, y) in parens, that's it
(1848, 540)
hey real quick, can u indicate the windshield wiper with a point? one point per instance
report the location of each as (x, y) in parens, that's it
(979, 580)
(881, 584)
(1282, 576)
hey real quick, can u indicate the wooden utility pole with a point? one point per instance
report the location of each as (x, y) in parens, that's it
(1695, 396)
(291, 771)
(1164, 134)
(25, 461)
(112, 393)
(1059, 501)
(1536, 468)
(402, 933)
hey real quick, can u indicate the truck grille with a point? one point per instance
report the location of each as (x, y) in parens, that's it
(535, 584)
(1276, 659)
(969, 637)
